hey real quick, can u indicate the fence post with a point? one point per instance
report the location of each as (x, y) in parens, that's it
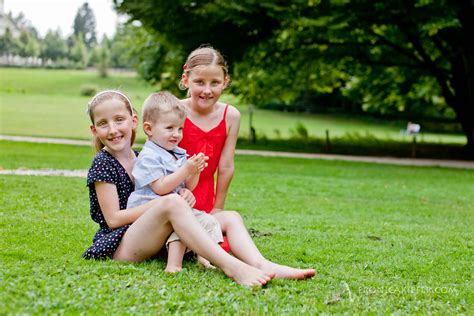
(252, 134)
(328, 142)
(413, 147)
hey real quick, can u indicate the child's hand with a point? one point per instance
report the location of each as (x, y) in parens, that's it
(188, 196)
(196, 163)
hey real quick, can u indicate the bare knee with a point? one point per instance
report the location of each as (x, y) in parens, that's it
(231, 218)
(172, 204)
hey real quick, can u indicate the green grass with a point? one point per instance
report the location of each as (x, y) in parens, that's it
(38, 102)
(384, 239)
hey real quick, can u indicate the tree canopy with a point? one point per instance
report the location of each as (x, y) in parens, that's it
(388, 56)
(84, 25)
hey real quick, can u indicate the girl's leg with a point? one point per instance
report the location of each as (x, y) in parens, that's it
(147, 235)
(176, 251)
(244, 248)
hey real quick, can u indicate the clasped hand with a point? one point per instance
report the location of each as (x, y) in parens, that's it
(197, 163)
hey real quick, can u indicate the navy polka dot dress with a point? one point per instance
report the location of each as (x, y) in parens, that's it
(105, 168)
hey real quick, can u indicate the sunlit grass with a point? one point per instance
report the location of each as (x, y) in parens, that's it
(384, 239)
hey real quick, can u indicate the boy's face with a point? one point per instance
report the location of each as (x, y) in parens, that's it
(167, 131)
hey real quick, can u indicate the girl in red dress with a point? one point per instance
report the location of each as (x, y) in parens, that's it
(212, 127)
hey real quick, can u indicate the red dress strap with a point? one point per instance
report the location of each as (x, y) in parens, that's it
(225, 111)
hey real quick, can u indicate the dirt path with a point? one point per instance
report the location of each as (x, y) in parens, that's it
(46, 172)
(460, 164)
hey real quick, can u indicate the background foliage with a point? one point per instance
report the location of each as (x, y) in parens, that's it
(386, 57)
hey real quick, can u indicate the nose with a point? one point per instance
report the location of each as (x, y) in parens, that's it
(207, 89)
(112, 128)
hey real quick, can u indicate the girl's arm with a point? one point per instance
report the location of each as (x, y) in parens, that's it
(109, 204)
(225, 170)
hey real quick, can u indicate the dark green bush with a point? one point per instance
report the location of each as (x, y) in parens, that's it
(88, 90)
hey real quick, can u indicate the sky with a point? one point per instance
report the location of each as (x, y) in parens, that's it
(51, 14)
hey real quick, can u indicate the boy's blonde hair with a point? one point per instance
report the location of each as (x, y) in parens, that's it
(204, 55)
(105, 96)
(160, 103)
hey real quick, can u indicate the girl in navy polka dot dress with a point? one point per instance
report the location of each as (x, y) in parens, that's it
(139, 233)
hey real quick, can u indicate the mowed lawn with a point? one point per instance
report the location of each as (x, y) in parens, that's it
(384, 239)
(38, 102)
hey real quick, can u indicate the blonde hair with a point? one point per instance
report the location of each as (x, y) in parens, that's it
(204, 55)
(160, 103)
(103, 96)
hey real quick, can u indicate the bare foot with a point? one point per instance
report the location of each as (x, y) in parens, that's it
(247, 275)
(285, 272)
(205, 263)
(173, 269)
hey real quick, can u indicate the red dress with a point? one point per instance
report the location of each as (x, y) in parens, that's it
(194, 141)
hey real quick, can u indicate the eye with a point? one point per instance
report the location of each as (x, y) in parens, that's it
(101, 124)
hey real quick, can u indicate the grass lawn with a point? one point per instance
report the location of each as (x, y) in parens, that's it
(384, 239)
(38, 102)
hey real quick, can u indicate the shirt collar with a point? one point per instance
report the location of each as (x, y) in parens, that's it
(177, 150)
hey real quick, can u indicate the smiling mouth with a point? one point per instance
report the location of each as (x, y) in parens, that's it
(116, 139)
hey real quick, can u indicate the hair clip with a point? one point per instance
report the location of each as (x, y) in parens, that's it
(185, 66)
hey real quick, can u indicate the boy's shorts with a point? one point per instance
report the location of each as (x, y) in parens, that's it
(210, 224)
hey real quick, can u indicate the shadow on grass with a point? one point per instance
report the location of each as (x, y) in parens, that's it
(360, 145)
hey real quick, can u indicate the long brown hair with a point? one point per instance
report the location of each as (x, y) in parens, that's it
(105, 96)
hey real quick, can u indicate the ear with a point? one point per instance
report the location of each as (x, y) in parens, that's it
(93, 130)
(185, 79)
(147, 128)
(134, 121)
(226, 81)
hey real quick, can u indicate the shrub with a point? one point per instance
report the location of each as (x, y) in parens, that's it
(88, 90)
(300, 131)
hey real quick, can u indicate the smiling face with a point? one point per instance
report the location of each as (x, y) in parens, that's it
(205, 84)
(113, 125)
(167, 131)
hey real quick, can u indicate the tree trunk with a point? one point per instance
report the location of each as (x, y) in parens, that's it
(463, 85)
(463, 75)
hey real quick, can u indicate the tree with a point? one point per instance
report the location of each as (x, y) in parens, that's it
(53, 46)
(84, 25)
(30, 46)
(151, 54)
(102, 57)
(389, 55)
(79, 52)
(120, 46)
(9, 46)
(229, 26)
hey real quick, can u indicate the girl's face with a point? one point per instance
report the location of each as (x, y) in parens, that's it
(113, 125)
(205, 84)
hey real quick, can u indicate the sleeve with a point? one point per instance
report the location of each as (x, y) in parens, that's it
(147, 169)
(102, 170)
